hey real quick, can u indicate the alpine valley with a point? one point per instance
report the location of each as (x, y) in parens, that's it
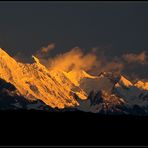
(33, 86)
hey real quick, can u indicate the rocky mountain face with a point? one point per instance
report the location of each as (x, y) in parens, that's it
(35, 81)
(33, 86)
(117, 95)
(11, 99)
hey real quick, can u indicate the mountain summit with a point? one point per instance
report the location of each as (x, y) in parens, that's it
(34, 81)
(106, 92)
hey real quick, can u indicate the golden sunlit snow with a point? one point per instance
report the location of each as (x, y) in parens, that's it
(56, 87)
(36, 81)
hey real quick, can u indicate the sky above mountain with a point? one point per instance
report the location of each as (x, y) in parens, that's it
(116, 32)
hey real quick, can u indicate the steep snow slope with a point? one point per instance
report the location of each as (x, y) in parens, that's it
(118, 85)
(67, 83)
(142, 85)
(76, 88)
(11, 99)
(102, 102)
(77, 75)
(34, 81)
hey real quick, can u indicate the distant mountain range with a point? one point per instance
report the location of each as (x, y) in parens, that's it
(33, 86)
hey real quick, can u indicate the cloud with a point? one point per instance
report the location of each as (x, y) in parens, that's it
(113, 66)
(74, 59)
(94, 61)
(50, 47)
(43, 52)
(138, 58)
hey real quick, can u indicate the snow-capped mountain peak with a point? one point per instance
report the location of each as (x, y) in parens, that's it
(125, 82)
(142, 85)
(77, 75)
(34, 81)
(77, 89)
